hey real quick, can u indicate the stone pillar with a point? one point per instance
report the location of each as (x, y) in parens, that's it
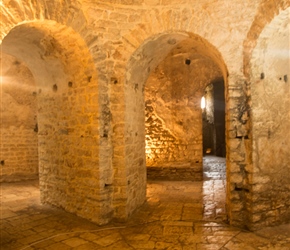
(238, 151)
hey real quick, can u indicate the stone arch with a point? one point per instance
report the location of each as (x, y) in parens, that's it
(241, 213)
(157, 22)
(270, 94)
(141, 63)
(68, 13)
(68, 125)
(19, 150)
(266, 12)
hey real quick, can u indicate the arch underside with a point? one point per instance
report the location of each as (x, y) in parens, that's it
(163, 115)
(270, 93)
(91, 126)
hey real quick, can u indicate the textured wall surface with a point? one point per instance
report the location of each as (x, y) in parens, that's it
(67, 105)
(270, 93)
(94, 64)
(173, 114)
(19, 143)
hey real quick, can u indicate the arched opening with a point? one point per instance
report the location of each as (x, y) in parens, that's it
(270, 95)
(167, 76)
(174, 137)
(67, 107)
(213, 119)
(19, 143)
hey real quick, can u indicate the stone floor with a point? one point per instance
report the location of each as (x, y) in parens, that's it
(177, 215)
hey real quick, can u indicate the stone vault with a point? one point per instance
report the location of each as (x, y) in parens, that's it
(92, 92)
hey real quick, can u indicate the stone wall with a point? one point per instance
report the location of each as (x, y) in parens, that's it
(19, 143)
(161, 146)
(91, 62)
(68, 112)
(173, 114)
(173, 128)
(270, 93)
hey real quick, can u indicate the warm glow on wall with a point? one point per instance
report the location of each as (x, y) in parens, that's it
(202, 102)
(5, 79)
(148, 151)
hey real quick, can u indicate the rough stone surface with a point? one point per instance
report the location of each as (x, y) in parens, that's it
(177, 215)
(92, 62)
(172, 104)
(271, 121)
(19, 143)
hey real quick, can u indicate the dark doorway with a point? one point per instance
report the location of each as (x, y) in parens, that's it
(213, 117)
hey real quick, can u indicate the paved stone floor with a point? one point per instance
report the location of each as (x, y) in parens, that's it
(177, 215)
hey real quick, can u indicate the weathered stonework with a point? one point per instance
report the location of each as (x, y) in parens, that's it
(96, 64)
(270, 94)
(19, 143)
(172, 104)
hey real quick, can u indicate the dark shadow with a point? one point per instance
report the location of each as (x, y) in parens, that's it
(213, 118)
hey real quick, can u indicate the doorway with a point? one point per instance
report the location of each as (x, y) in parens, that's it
(19, 142)
(213, 119)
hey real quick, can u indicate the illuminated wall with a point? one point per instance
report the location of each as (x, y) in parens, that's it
(19, 142)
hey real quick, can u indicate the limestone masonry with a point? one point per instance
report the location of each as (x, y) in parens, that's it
(95, 94)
